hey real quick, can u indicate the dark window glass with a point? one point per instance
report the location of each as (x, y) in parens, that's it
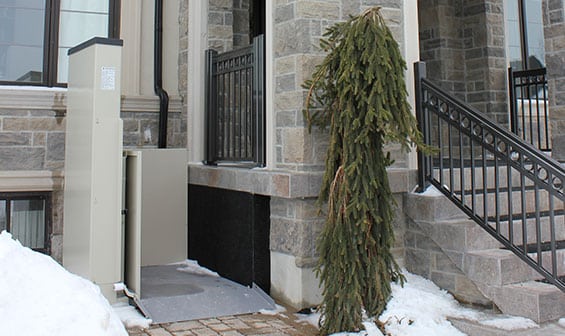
(36, 34)
(27, 217)
(524, 34)
(21, 40)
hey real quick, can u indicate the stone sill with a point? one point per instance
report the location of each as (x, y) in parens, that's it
(42, 98)
(276, 183)
(30, 180)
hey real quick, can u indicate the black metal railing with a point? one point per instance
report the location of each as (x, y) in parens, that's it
(235, 111)
(529, 106)
(504, 184)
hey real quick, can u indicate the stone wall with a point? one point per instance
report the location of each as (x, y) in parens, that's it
(554, 31)
(463, 44)
(220, 25)
(241, 28)
(298, 27)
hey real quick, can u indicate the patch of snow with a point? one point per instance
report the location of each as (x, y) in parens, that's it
(119, 287)
(510, 323)
(192, 267)
(272, 312)
(131, 317)
(431, 191)
(313, 318)
(419, 308)
(422, 308)
(39, 297)
(562, 322)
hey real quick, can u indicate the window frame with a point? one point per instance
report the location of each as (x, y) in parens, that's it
(32, 195)
(51, 42)
(523, 22)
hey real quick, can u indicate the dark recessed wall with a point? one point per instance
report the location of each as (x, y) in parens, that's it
(228, 232)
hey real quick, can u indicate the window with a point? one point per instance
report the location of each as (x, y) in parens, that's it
(36, 34)
(524, 34)
(27, 217)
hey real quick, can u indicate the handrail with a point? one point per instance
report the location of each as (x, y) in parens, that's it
(507, 186)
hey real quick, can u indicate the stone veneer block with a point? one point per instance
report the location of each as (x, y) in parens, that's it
(496, 267)
(535, 300)
(431, 207)
(277, 183)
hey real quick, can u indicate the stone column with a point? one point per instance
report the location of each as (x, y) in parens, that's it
(295, 223)
(554, 33)
(463, 44)
(220, 25)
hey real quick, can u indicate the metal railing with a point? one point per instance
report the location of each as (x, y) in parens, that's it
(235, 112)
(504, 184)
(529, 106)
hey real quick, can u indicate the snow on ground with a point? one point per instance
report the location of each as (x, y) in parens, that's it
(39, 297)
(420, 308)
(130, 316)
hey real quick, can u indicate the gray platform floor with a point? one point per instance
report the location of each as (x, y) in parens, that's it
(169, 295)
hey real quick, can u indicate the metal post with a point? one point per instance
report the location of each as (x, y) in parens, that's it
(258, 98)
(210, 108)
(423, 166)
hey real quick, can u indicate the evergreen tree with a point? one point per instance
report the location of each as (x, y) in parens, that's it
(359, 92)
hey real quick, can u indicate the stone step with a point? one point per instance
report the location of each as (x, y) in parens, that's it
(501, 267)
(495, 267)
(535, 300)
(503, 174)
(491, 324)
(515, 201)
(531, 229)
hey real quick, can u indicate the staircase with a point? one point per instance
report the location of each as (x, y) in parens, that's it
(492, 228)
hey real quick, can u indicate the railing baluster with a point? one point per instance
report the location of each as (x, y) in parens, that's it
(473, 173)
(552, 231)
(496, 191)
(538, 218)
(510, 184)
(461, 164)
(485, 181)
(523, 206)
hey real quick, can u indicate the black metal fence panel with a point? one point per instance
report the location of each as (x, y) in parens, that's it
(506, 185)
(235, 106)
(529, 106)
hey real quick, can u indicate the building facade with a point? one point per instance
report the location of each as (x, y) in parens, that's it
(466, 45)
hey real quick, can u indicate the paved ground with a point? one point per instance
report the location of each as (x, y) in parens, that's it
(284, 324)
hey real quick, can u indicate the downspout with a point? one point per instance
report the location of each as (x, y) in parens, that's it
(158, 74)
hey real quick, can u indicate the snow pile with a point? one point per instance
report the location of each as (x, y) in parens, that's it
(421, 308)
(39, 297)
(192, 267)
